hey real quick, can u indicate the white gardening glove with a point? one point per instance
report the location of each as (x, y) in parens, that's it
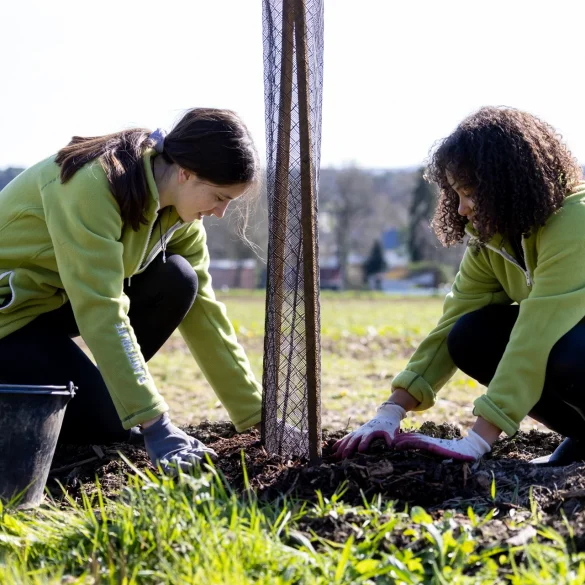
(469, 448)
(385, 425)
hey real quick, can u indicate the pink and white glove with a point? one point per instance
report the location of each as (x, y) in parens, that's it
(469, 448)
(385, 425)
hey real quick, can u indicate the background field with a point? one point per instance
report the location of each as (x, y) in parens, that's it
(367, 338)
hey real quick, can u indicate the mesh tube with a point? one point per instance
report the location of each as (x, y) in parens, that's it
(293, 73)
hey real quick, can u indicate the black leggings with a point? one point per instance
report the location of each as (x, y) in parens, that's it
(477, 343)
(43, 352)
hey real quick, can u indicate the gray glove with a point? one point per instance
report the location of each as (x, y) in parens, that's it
(173, 449)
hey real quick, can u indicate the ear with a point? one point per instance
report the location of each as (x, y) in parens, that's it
(183, 175)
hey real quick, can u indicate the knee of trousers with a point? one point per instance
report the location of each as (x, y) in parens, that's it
(490, 325)
(179, 279)
(463, 338)
(565, 361)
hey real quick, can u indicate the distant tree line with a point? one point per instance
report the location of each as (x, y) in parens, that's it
(359, 205)
(356, 206)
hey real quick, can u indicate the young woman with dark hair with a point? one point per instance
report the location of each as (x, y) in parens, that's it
(515, 317)
(105, 241)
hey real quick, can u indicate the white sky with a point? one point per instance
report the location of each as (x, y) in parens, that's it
(398, 74)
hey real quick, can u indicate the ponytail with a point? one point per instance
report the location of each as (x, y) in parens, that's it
(121, 158)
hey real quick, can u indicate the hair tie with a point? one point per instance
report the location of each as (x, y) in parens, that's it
(158, 137)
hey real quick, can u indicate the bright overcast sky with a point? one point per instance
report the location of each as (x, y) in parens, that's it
(398, 74)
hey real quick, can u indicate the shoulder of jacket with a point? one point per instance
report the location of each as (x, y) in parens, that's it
(566, 224)
(92, 173)
(91, 178)
(572, 212)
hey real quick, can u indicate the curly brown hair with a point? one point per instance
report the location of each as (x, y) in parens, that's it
(516, 166)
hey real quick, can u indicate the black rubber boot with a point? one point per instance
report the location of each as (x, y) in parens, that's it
(565, 419)
(569, 451)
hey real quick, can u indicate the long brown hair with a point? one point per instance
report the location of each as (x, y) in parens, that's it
(212, 143)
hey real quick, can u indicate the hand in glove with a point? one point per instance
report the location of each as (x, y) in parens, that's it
(469, 448)
(385, 424)
(173, 449)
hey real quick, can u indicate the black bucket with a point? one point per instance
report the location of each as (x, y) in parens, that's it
(30, 422)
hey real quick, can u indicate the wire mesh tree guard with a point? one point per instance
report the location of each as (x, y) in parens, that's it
(293, 74)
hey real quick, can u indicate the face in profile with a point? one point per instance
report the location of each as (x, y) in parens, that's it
(465, 194)
(197, 198)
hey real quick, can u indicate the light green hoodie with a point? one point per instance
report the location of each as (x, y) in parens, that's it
(61, 242)
(551, 296)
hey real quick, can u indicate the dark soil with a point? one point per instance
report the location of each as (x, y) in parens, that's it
(409, 478)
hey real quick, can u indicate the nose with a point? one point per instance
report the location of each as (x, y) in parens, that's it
(219, 210)
(464, 207)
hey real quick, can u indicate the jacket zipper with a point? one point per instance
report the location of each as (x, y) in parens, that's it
(159, 246)
(145, 246)
(502, 252)
(529, 280)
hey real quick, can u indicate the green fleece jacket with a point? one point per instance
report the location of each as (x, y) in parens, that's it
(66, 242)
(551, 297)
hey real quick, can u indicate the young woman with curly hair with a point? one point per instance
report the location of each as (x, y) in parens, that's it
(515, 317)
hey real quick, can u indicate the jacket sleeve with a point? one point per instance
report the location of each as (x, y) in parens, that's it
(554, 306)
(85, 226)
(212, 340)
(431, 366)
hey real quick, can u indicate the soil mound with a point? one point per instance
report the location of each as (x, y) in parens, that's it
(505, 479)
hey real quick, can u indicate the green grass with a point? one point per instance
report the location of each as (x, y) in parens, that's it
(194, 531)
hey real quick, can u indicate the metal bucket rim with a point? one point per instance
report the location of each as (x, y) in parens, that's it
(40, 390)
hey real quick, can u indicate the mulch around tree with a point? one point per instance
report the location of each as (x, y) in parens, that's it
(505, 479)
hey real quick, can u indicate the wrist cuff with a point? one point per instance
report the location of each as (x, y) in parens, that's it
(164, 419)
(390, 408)
(478, 443)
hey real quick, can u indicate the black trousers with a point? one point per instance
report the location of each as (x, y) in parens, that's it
(43, 351)
(477, 343)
